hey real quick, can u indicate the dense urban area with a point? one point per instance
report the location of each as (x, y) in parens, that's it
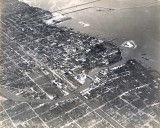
(56, 77)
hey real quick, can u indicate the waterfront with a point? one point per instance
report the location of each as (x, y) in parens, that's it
(137, 20)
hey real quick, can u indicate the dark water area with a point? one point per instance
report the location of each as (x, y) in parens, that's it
(137, 20)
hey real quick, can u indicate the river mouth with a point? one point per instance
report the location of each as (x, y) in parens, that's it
(125, 20)
(58, 77)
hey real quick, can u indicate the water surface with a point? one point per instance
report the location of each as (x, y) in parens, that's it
(137, 20)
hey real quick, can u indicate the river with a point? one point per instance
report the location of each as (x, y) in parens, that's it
(137, 20)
